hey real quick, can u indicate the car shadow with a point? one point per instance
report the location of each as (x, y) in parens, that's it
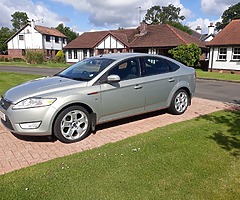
(52, 139)
(129, 120)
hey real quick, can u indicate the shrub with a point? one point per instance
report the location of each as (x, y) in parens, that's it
(6, 60)
(187, 54)
(60, 57)
(34, 57)
(18, 60)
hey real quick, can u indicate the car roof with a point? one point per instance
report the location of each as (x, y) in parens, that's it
(119, 56)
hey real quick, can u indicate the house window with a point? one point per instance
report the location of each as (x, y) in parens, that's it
(85, 53)
(21, 37)
(222, 54)
(236, 53)
(23, 52)
(56, 39)
(75, 54)
(48, 38)
(69, 54)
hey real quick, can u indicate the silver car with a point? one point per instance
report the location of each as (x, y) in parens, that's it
(96, 90)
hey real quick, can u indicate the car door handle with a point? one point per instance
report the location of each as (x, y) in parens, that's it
(171, 80)
(137, 87)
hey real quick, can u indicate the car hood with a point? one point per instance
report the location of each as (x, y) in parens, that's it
(41, 87)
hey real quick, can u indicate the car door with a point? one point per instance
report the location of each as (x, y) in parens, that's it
(126, 97)
(160, 81)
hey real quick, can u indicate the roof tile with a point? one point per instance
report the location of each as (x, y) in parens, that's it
(230, 35)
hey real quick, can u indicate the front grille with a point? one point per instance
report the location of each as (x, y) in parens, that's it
(5, 104)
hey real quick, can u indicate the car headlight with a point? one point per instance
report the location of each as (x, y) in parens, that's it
(33, 103)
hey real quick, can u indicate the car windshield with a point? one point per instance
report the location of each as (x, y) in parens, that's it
(86, 69)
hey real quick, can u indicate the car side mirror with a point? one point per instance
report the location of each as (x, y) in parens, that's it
(113, 79)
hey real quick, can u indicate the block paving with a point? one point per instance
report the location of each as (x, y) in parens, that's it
(17, 152)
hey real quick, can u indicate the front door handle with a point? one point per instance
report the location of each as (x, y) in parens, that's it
(137, 87)
(171, 80)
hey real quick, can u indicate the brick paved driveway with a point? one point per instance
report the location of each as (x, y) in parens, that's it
(16, 153)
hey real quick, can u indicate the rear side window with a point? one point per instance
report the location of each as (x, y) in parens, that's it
(155, 66)
(172, 66)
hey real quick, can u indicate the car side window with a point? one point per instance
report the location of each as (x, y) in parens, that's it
(172, 66)
(128, 69)
(155, 66)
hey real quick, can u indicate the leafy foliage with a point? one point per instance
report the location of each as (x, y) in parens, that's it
(60, 57)
(19, 19)
(5, 33)
(187, 54)
(233, 12)
(71, 35)
(34, 57)
(168, 15)
(164, 14)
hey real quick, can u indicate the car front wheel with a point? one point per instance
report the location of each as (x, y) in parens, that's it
(72, 124)
(179, 102)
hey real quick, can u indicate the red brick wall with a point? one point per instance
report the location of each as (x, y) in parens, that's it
(15, 53)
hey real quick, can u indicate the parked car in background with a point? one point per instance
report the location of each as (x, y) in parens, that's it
(96, 90)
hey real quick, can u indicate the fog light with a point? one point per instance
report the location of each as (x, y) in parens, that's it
(31, 125)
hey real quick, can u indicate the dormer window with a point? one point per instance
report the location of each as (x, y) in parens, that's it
(21, 37)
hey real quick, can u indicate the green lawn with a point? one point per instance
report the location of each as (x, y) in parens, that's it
(218, 76)
(196, 159)
(45, 64)
(8, 80)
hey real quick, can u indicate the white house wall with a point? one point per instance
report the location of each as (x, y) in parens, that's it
(110, 43)
(227, 64)
(34, 40)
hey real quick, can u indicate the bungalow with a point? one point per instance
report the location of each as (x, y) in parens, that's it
(225, 49)
(152, 39)
(35, 37)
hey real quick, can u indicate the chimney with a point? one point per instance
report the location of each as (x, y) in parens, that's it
(143, 28)
(211, 29)
(199, 30)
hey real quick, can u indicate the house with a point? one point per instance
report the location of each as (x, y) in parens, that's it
(207, 37)
(152, 39)
(35, 37)
(225, 49)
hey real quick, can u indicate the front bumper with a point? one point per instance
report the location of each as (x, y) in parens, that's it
(22, 121)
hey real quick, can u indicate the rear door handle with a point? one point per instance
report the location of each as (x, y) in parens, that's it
(171, 80)
(137, 87)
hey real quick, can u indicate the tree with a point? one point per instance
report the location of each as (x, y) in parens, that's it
(71, 35)
(233, 12)
(19, 19)
(164, 14)
(187, 54)
(168, 15)
(5, 33)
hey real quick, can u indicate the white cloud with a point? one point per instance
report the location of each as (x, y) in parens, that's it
(37, 11)
(124, 13)
(216, 7)
(203, 23)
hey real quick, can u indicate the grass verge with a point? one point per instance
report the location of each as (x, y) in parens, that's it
(196, 159)
(9, 80)
(45, 64)
(218, 76)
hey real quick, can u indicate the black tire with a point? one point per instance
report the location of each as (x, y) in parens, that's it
(179, 103)
(72, 124)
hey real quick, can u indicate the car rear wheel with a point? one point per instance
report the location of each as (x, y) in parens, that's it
(179, 103)
(72, 124)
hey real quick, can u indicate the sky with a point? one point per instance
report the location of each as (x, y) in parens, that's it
(93, 15)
